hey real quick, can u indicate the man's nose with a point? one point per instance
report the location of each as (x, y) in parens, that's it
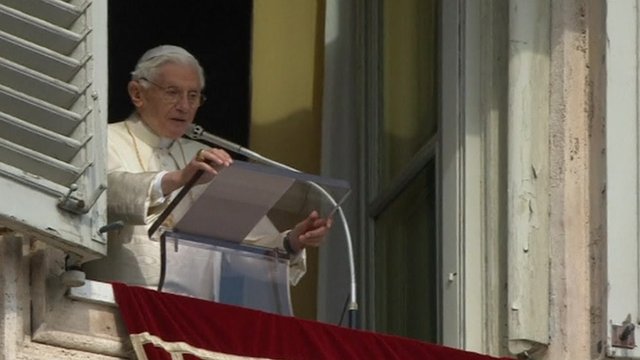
(183, 102)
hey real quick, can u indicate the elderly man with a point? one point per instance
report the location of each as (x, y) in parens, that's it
(149, 160)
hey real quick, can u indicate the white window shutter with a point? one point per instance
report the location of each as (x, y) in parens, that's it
(53, 121)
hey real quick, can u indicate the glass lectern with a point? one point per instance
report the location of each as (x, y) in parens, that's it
(203, 231)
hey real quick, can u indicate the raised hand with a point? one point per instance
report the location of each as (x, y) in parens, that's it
(309, 232)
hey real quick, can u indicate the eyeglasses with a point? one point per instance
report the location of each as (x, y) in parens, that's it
(173, 94)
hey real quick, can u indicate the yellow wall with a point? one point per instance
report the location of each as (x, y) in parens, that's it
(288, 38)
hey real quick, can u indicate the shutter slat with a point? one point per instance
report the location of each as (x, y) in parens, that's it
(38, 112)
(39, 164)
(39, 58)
(41, 184)
(38, 31)
(39, 85)
(54, 11)
(38, 139)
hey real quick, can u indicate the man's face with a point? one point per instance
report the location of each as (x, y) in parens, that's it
(167, 105)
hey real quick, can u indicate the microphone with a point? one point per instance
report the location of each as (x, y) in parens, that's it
(196, 132)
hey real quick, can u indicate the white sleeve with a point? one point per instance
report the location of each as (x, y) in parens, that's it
(157, 196)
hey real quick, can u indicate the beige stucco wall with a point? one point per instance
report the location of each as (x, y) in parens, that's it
(286, 100)
(577, 188)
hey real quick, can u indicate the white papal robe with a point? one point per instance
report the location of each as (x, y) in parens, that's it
(136, 155)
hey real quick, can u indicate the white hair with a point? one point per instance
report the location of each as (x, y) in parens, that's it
(151, 61)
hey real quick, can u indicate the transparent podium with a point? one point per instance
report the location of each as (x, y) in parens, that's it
(222, 241)
(227, 272)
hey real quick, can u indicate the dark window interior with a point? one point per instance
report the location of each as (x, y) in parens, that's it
(218, 33)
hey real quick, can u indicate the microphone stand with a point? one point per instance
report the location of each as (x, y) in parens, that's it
(196, 132)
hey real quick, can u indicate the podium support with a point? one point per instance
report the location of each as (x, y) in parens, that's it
(226, 272)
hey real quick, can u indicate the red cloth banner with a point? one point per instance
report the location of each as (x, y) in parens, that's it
(162, 325)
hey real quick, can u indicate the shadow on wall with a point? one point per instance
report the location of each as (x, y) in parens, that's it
(295, 140)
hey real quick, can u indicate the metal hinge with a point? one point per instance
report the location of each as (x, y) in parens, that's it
(623, 336)
(79, 206)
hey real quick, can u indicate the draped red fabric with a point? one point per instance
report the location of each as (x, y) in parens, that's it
(224, 329)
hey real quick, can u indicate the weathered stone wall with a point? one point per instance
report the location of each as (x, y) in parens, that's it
(577, 208)
(37, 319)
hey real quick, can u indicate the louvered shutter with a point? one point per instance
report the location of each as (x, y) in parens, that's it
(53, 121)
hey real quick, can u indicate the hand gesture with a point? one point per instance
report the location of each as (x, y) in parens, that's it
(309, 232)
(210, 161)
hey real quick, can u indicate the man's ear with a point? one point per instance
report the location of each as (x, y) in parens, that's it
(135, 93)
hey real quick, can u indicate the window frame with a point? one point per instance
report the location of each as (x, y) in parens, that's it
(622, 135)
